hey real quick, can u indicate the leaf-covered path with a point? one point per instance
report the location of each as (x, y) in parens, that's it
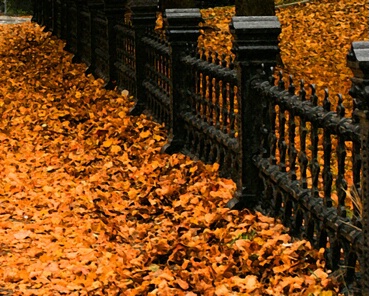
(89, 206)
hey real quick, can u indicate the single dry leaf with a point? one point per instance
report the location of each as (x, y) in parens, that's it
(145, 134)
(107, 143)
(22, 234)
(115, 149)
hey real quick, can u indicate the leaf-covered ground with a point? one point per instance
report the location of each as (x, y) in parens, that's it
(89, 206)
(316, 37)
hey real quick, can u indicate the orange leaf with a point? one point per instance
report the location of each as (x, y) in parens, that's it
(183, 284)
(144, 135)
(22, 234)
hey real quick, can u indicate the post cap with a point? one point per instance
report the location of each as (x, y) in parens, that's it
(144, 13)
(255, 38)
(182, 24)
(358, 59)
(252, 23)
(183, 16)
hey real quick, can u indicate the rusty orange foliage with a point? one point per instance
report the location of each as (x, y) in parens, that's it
(316, 36)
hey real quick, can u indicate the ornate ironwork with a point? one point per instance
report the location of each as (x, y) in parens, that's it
(84, 33)
(37, 10)
(358, 61)
(182, 29)
(72, 27)
(57, 18)
(63, 20)
(255, 43)
(126, 56)
(291, 155)
(309, 210)
(143, 19)
(211, 119)
(47, 19)
(105, 15)
(100, 49)
(157, 83)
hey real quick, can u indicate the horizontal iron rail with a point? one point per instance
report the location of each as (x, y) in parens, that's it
(216, 71)
(317, 115)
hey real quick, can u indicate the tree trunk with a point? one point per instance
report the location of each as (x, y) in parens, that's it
(164, 4)
(255, 7)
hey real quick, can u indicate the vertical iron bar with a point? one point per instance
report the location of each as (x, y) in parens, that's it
(282, 146)
(303, 160)
(358, 61)
(327, 148)
(341, 183)
(314, 165)
(292, 152)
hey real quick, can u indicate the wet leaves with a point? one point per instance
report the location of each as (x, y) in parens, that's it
(89, 206)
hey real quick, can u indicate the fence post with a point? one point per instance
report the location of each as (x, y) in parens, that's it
(48, 15)
(80, 33)
(104, 16)
(52, 16)
(114, 11)
(57, 18)
(41, 17)
(255, 44)
(36, 11)
(143, 18)
(94, 6)
(71, 26)
(43, 12)
(183, 30)
(63, 19)
(358, 61)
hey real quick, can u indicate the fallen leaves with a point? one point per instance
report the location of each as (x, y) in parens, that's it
(310, 30)
(315, 39)
(22, 234)
(89, 205)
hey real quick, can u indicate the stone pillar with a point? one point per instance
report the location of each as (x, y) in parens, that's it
(183, 30)
(255, 44)
(358, 61)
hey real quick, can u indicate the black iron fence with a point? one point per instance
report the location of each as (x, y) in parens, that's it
(290, 154)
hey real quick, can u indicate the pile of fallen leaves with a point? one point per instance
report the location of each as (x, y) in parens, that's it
(315, 39)
(89, 206)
